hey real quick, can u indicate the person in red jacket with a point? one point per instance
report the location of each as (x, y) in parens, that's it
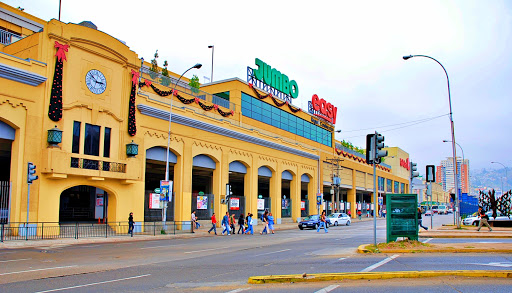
(214, 225)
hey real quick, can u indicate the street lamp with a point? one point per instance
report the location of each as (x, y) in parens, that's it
(457, 207)
(506, 175)
(320, 184)
(213, 49)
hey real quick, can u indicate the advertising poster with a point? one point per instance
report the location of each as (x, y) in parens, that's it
(261, 204)
(154, 200)
(358, 205)
(285, 203)
(234, 203)
(302, 205)
(202, 202)
(342, 206)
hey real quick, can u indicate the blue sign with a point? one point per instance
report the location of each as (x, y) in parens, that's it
(318, 199)
(165, 190)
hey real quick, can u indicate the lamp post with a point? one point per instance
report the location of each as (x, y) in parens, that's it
(197, 66)
(457, 206)
(506, 175)
(319, 180)
(213, 49)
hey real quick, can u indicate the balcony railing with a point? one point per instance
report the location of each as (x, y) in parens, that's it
(183, 87)
(7, 38)
(347, 150)
(97, 165)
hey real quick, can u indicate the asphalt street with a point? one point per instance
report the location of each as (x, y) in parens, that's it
(224, 263)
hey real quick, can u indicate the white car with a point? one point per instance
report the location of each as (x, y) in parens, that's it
(475, 220)
(337, 219)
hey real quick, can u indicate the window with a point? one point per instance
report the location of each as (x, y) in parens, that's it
(402, 188)
(92, 140)
(75, 148)
(381, 183)
(389, 185)
(106, 143)
(397, 184)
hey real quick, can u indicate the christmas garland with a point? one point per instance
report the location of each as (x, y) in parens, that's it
(132, 127)
(186, 101)
(55, 108)
(276, 102)
(356, 158)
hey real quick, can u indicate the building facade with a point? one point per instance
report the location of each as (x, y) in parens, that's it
(228, 140)
(445, 174)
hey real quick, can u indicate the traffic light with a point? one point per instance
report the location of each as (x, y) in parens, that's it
(370, 148)
(31, 170)
(414, 169)
(431, 173)
(379, 145)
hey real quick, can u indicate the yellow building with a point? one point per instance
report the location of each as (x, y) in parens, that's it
(107, 104)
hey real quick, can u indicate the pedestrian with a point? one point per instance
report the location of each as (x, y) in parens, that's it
(271, 222)
(264, 220)
(322, 223)
(420, 220)
(214, 225)
(384, 213)
(225, 224)
(130, 224)
(232, 223)
(193, 221)
(483, 219)
(359, 214)
(241, 221)
(349, 213)
(249, 224)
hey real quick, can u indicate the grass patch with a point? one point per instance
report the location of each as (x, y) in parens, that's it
(403, 244)
(469, 247)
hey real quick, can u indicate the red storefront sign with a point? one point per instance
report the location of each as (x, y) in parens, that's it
(324, 110)
(405, 164)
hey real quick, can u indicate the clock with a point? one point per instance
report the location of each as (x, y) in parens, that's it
(96, 81)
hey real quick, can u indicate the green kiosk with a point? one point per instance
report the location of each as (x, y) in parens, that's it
(402, 216)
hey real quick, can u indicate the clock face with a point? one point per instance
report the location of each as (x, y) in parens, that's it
(96, 81)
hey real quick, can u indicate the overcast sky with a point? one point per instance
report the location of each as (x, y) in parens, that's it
(347, 52)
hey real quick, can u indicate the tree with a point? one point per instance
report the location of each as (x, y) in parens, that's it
(488, 201)
(194, 84)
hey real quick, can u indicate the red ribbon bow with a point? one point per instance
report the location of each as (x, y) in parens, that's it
(147, 82)
(175, 93)
(135, 77)
(215, 106)
(196, 100)
(61, 51)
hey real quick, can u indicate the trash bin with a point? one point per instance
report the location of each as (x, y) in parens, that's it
(402, 216)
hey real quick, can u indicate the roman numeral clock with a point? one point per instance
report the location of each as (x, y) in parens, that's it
(96, 81)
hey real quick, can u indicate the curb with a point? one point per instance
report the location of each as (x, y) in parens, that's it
(464, 236)
(375, 276)
(362, 249)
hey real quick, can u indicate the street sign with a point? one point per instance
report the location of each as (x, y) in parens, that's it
(157, 190)
(166, 189)
(319, 200)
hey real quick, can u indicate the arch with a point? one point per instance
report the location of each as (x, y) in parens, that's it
(6, 131)
(287, 175)
(305, 177)
(237, 166)
(264, 171)
(89, 193)
(204, 161)
(157, 153)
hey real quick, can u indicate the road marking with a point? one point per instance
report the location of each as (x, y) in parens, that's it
(238, 290)
(205, 250)
(92, 284)
(495, 264)
(160, 246)
(29, 271)
(427, 240)
(327, 289)
(95, 245)
(15, 260)
(382, 262)
(342, 258)
(272, 252)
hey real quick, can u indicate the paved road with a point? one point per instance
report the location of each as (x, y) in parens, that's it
(221, 263)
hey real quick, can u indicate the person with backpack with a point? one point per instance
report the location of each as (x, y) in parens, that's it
(264, 220)
(241, 221)
(483, 219)
(322, 223)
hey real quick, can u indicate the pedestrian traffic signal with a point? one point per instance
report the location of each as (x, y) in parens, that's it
(31, 170)
(414, 169)
(370, 148)
(379, 145)
(431, 173)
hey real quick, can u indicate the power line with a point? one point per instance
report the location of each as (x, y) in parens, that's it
(421, 120)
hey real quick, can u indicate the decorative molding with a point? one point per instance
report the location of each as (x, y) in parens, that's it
(241, 153)
(13, 104)
(106, 111)
(164, 115)
(268, 159)
(206, 145)
(20, 75)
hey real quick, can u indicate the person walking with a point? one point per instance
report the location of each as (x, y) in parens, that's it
(483, 219)
(264, 220)
(359, 214)
(241, 221)
(271, 222)
(130, 224)
(214, 225)
(249, 225)
(322, 223)
(420, 220)
(232, 223)
(193, 220)
(225, 223)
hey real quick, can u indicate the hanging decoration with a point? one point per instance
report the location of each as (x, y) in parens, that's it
(132, 127)
(358, 159)
(185, 101)
(55, 108)
(276, 101)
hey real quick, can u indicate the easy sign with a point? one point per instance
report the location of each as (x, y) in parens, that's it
(323, 109)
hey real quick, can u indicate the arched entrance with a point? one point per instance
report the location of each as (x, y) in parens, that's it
(286, 198)
(155, 171)
(7, 134)
(264, 177)
(83, 203)
(237, 172)
(304, 197)
(202, 185)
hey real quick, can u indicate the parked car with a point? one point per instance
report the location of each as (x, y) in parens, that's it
(312, 222)
(475, 219)
(450, 211)
(336, 219)
(428, 213)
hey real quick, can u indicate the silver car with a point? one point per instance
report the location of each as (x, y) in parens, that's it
(337, 219)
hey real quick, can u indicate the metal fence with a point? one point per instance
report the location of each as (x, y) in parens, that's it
(5, 191)
(47, 230)
(7, 38)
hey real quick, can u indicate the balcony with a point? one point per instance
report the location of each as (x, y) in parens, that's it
(97, 165)
(7, 38)
(342, 148)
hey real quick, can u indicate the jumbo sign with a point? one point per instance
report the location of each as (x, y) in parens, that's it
(405, 163)
(323, 109)
(276, 79)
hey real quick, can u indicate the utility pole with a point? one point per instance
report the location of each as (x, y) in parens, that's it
(336, 180)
